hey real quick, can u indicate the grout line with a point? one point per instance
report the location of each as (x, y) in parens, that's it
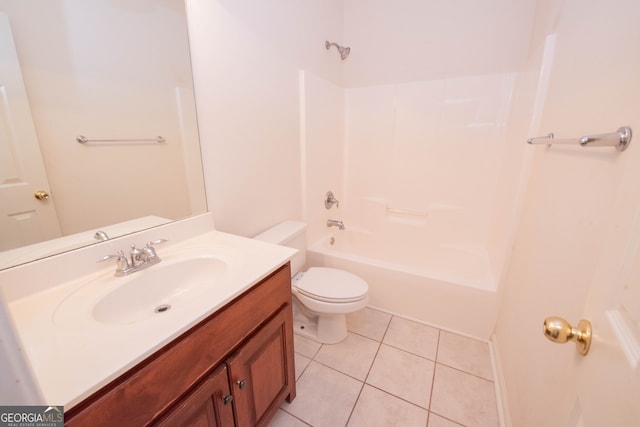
(353, 408)
(363, 336)
(337, 370)
(305, 368)
(375, 356)
(446, 418)
(397, 397)
(368, 371)
(409, 352)
(377, 350)
(465, 372)
(299, 419)
(433, 379)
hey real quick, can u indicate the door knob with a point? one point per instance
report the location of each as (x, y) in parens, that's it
(559, 330)
(41, 195)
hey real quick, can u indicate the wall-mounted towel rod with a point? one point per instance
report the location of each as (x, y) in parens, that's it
(619, 139)
(83, 140)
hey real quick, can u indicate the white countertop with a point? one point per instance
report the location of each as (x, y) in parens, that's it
(71, 360)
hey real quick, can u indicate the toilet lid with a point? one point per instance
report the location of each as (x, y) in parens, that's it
(330, 284)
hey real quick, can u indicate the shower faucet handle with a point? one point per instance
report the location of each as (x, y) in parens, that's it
(329, 200)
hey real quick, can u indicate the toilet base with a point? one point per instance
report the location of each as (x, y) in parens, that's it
(325, 328)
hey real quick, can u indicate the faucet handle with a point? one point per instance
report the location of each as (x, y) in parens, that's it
(121, 260)
(156, 242)
(330, 200)
(118, 254)
(150, 251)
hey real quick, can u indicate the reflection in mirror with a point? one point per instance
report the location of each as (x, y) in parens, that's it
(118, 73)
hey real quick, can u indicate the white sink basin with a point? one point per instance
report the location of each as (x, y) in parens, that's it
(169, 285)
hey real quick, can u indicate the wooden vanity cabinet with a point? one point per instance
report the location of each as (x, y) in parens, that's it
(235, 368)
(210, 405)
(258, 372)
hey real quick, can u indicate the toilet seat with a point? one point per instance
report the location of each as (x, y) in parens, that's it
(332, 285)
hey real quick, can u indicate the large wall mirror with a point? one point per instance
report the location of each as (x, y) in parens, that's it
(98, 124)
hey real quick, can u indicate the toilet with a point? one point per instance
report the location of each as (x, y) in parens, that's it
(322, 296)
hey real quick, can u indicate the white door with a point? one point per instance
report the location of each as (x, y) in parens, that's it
(24, 219)
(593, 92)
(607, 380)
(576, 253)
(609, 376)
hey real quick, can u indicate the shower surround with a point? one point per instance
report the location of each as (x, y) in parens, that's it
(417, 171)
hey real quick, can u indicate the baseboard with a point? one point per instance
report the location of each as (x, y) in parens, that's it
(502, 400)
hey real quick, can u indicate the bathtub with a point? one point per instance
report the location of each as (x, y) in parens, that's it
(448, 285)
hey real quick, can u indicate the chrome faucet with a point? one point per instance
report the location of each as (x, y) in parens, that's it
(139, 258)
(100, 236)
(335, 223)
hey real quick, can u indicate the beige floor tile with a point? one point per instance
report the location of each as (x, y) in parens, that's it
(438, 421)
(301, 363)
(464, 398)
(282, 419)
(466, 354)
(353, 356)
(369, 322)
(324, 397)
(413, 337)
(305, 346)
(402, 374)
(376, 408)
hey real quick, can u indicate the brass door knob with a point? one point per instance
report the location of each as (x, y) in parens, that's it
(41, 195)
(559, 330)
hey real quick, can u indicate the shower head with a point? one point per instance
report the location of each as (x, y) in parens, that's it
(344, 51)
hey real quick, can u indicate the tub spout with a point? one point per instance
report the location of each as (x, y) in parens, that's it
(335, 223)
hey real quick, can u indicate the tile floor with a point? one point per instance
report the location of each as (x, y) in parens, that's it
(391, 372)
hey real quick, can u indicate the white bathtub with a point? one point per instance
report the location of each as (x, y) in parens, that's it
(450, 286)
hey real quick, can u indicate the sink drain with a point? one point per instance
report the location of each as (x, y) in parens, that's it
(162, 308)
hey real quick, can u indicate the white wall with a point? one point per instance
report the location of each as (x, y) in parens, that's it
(113, 94)
(246, 60)
(414, 40)
(568, 208)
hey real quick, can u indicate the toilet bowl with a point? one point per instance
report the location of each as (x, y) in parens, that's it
(327, 295)
(322, 296)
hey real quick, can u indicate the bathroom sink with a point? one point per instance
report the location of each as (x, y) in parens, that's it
(170, 285)
(158, 290)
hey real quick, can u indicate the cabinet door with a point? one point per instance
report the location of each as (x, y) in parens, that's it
(259, 373)
(208, 405)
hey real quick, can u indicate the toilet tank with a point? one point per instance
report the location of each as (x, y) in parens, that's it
(292, 235)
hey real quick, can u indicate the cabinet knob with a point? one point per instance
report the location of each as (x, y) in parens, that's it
(241, 383)
(227, 399)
